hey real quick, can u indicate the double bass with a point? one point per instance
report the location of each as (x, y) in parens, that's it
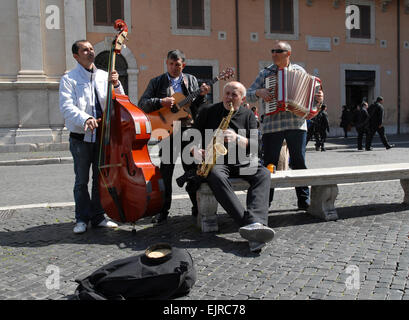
(130, 185)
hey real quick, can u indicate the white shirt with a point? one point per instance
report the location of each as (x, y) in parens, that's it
(77, 97)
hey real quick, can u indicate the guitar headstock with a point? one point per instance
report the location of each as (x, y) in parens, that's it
(121, 26)
(226, 74)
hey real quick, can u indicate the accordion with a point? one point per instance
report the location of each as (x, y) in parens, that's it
(293, 91)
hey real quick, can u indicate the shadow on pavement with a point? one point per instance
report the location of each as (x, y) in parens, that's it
(296, 217)
(180, 231)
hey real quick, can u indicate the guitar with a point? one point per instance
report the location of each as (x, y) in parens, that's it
(162, 119)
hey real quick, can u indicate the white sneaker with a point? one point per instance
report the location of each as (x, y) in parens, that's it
(80, 227)
(257, 232)
(107, 224)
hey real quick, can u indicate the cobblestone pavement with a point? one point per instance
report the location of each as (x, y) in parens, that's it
(308, 259)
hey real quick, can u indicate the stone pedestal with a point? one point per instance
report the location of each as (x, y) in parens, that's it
(323, 202)
(207, 207)
(405, 186)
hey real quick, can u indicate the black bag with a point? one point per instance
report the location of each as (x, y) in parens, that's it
(141, 277)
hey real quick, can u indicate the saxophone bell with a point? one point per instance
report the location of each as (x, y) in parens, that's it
(214, 149)
(220, 149)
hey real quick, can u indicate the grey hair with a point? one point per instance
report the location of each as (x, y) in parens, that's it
(285, 45)
(238, 85)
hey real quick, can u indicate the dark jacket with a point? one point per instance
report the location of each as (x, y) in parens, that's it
(346, 118)
(242, 122)
(376, 115)
(160, 87)
(320, 123)
(323, 121)
(361, 119)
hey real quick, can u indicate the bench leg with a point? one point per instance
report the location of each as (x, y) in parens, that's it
(405, 186)
(322, 202)
(207, 209)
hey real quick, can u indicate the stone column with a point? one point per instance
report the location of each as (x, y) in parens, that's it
(207, 209)
(30, 40)
(323, 202)
(75, 28)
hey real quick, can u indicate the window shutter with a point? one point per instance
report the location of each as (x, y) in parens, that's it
(281, 16)
(364, 30)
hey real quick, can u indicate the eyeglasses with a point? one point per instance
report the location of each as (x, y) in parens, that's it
(278, 50)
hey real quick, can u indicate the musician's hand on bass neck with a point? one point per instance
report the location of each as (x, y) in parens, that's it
(114, 77)
(167, 102)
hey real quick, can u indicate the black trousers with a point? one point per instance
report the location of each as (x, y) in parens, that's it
(169, 152)
(296, 143)
(320, 138)
(360, 137)
(381, 133)
(257, 195)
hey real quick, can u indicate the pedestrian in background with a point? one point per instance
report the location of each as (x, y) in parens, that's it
(376, 114)
(346, 120)
(321, 127)
(361, 120)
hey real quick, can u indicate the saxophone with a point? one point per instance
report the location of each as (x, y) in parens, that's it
(215, 148)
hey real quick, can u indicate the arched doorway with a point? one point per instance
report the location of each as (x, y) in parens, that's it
(121, 66)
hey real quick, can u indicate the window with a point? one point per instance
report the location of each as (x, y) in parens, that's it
(366, 32)
(107, 11)
(365, 23)
(190, 14)
(281, 19)
(281, 16)
(190, 17)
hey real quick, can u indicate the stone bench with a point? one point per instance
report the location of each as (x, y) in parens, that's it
(324, 188)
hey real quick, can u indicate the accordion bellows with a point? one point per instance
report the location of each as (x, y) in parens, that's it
(293, 91)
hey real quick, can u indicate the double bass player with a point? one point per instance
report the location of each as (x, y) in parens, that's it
(82, 95)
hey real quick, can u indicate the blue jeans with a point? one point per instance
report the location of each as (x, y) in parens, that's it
(87, 208)
(296, 143)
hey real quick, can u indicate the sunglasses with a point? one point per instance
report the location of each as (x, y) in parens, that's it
(278, 50)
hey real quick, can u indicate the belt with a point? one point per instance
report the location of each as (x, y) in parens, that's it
(77, 136)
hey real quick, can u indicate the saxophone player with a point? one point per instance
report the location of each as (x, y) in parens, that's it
(240, 136)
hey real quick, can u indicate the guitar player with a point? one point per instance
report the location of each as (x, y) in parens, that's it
(159, 94)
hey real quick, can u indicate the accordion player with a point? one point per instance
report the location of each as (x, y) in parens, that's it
(293, 91)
